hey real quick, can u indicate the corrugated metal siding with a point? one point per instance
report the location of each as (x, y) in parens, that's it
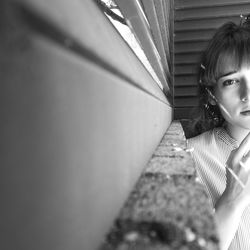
(154, 35)
(160, 17)
(195, 23)
(80, 118)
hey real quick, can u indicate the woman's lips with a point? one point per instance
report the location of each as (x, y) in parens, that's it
(246, 113)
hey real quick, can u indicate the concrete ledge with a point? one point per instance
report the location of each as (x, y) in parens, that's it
(168, 208)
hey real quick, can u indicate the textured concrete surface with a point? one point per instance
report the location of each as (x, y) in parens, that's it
(168, 208)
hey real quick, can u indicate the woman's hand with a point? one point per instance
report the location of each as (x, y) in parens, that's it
(239, 163)
(236, 197)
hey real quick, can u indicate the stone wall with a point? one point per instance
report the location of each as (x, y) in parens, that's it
(168, 208)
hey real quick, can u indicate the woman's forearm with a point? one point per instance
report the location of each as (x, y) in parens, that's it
(227, 216)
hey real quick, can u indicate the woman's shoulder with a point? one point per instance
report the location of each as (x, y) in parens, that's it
(205, 139)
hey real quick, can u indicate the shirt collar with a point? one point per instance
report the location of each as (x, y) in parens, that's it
(226, 138)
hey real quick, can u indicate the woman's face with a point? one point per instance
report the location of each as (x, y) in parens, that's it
(233, 94)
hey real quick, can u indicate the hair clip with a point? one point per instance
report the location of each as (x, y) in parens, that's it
(211, 95)
(244, 19)
(202, 66)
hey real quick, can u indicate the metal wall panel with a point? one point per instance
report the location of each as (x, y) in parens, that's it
(74, 140)
(82, 27)
(80, 118)
(152, 33)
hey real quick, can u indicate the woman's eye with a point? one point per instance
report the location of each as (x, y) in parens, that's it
(230, 82)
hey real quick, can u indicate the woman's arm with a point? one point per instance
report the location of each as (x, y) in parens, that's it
(228, 213)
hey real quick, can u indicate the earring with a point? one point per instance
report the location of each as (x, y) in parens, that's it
(244, 99)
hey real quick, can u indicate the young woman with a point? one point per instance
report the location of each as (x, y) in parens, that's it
(222, 152)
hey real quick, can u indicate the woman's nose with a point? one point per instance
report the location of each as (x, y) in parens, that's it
(245, 90)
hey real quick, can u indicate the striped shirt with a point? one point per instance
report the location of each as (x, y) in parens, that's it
(211, 151)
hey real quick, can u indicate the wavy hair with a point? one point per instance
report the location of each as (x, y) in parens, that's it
(231, 42)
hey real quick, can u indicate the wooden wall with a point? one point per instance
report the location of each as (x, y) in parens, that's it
(195, 23)
(80, 118)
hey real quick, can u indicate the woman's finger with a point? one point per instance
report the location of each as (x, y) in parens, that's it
(237, 179)
(243, 150)
(245, 161)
